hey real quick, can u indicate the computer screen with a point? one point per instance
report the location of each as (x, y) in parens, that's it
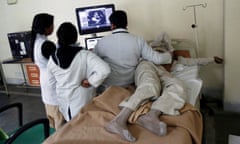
(20, 44)
(94, 19)
(91, 42)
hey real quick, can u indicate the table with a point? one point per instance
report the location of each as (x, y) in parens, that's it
(13, 61)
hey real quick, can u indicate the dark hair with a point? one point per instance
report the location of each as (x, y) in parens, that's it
(48, 48)
(67, 34)
(40, 23)
(119, 19)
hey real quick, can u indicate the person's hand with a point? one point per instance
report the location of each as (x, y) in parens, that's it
(218, 60)
(85, 83)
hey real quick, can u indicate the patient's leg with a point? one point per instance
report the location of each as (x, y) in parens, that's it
(151, 122)
(119, 125)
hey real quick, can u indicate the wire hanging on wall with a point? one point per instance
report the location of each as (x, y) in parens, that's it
(194, 25)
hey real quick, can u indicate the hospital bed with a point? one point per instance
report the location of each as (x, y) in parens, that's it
(88, 126)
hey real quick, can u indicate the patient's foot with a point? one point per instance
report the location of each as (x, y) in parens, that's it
(151, 122)
(119, 125)
(121, 130)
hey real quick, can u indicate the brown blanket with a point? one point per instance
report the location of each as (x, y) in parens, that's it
(88, 126)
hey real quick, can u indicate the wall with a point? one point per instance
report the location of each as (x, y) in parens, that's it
(232, 50)
(146, 18)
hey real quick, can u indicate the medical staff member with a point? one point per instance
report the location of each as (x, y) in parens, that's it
(74, 73)
(42, 26)
(166, 90)
(123, 51)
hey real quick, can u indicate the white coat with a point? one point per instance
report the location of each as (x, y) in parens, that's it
(123, 52)
(48, 94)
(67, 82)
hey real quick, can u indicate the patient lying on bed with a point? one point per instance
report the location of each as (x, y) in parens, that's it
(149, 79)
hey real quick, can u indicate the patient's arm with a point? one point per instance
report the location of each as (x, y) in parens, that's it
(199, 61)
(194, 61)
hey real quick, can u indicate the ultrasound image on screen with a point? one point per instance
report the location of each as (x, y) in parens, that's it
(20, 44)
(96, 18)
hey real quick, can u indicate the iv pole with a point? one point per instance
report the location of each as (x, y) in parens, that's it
(194, 25)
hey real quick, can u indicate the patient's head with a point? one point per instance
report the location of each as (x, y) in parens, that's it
(118, 19)
(67, 34)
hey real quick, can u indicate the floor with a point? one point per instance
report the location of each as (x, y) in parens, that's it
(218, 124)
(33, 107)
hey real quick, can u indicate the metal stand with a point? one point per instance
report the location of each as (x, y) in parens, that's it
(24, 77)
(194, 25)
(3, 80)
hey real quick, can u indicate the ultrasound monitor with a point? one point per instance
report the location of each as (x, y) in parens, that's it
(91, 42)
(94, 19)
(20, 44)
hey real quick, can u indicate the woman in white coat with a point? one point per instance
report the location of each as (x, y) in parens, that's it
(74, 73)
(42, 26)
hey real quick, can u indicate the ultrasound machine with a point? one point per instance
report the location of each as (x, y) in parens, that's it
(19, 43)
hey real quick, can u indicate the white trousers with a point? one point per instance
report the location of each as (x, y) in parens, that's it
(150, 80)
